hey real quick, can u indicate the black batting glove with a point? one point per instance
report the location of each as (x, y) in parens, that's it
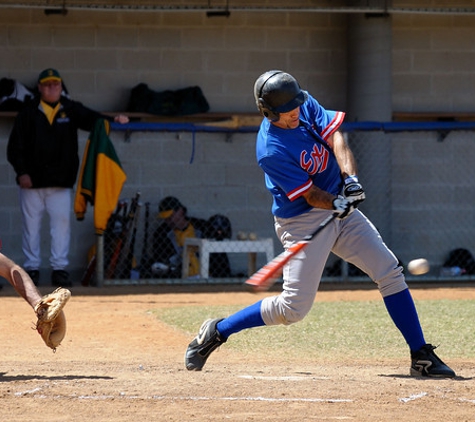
(343, 207)
(353, 190)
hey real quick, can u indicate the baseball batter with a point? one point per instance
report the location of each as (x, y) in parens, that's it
(311, 172)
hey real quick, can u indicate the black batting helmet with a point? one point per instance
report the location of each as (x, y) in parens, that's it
(219, 227)
(277, 92)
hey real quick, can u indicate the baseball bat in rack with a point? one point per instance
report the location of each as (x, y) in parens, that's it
(144, 259)
(131, 251)
(263, 279)
(118, 243)
(89, 272)
(91, 266)
(127, 236)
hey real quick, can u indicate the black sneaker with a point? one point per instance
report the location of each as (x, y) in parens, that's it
(425, 363)
(34, 275)
(207, 340)
(60, 278)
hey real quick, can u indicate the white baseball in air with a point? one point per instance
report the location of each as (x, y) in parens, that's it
(418, 266)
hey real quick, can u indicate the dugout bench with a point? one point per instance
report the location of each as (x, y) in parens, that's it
(205, 247)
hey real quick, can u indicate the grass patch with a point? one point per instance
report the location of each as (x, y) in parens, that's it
(359, 330)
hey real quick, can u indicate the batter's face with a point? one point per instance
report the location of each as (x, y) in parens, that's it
(289, 120)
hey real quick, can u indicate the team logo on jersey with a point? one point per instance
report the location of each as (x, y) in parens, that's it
(63, 118)
(315, 161)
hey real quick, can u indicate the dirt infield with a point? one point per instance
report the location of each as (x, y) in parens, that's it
(119, 363)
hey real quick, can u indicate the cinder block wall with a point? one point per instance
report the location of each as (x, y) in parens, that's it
(433, 58)
(103, 54)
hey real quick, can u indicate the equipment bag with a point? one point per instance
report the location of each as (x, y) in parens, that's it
(167, 103)
(13, 95)
(461, 258)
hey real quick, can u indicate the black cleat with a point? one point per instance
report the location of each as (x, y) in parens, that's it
(34, 275)
(60, 278)
(425, 363)
(207, 340)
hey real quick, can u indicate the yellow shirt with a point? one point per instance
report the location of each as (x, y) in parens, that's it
(181, 235)
(49, 111)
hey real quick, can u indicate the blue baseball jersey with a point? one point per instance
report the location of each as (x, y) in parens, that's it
(295, 159)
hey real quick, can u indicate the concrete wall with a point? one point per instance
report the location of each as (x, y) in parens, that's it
(103, 54)
(433, 63)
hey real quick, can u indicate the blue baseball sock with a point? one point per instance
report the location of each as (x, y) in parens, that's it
(245, 318)
(403, 312)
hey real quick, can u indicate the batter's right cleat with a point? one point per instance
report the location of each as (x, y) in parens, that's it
(425, 363)
(207, 340)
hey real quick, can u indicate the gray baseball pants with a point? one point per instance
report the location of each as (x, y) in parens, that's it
(353, 239)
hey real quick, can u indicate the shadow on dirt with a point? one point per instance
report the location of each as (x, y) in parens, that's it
(11, 378)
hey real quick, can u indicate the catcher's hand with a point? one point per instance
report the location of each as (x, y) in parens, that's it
(51, 323)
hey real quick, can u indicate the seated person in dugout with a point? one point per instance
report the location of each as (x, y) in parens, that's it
(169, 240)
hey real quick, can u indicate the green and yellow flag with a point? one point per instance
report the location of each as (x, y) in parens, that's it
(101, 177)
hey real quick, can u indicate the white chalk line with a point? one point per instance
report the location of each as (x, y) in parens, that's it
(467, 400)
(287, 378)
(187, 398)
(413, 397)
(424, 394)
(265, 399)
(124, 396)
(24, 393)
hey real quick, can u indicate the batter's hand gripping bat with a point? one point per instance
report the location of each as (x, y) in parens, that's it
(263, 279)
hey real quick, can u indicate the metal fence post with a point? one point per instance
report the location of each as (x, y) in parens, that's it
(99, 260)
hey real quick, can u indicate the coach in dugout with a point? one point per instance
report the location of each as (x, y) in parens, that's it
(43, 150)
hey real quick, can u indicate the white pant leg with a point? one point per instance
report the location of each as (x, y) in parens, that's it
(32, 209)
(58, 207)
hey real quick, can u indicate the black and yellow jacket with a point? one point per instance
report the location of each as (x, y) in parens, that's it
(48, 150)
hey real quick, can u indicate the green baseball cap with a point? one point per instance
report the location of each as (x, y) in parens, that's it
(49, 75)
(167, 206)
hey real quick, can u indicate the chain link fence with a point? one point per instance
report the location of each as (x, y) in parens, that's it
(139, 247)
(420, 189)
(419, 186)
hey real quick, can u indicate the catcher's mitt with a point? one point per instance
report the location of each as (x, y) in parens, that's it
(51, 323)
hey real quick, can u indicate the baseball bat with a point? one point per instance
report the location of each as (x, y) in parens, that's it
(118, 242)
(122, 264)
(144, 258)
(263, 279)
(130, 253)
(90, 270)
(91, 266)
